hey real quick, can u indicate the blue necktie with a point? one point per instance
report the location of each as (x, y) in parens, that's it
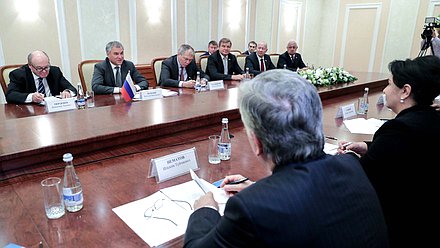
(41, 86)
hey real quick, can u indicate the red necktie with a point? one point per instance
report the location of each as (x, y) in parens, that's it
(182, 77)
(261, 65)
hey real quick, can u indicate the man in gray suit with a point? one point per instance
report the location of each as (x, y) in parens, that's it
(109, 75)
(311, 199)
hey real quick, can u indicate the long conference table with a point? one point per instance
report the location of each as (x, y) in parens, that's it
(113, 144)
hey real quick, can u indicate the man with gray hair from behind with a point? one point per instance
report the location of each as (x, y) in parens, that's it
(311, 199)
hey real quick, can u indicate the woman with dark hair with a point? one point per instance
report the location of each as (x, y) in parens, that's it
(399, 160)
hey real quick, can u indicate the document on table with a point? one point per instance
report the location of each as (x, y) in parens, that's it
(164, 215)
(363, 126)
(330, 148)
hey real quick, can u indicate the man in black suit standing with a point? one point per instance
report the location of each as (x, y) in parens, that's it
(36, 80)
(181, 70)
(291, 59)
(311, 199)
(109, 75)
(259, 61)
(222, 65)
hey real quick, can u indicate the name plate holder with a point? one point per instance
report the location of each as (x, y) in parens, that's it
(54, 104)
(150, 94)
(216, 85)
(173, 165)
(346, 111)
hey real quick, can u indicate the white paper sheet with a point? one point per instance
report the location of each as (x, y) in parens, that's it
(330, 148)
(363, 126)
(164, 215)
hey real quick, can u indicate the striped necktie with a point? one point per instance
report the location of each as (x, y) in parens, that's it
(41, 86)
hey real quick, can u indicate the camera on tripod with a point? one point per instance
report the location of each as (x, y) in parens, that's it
(431, 22)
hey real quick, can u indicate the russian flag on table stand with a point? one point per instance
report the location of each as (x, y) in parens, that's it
(128, 90)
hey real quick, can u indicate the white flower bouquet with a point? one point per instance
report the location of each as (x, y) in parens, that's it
(327, 76)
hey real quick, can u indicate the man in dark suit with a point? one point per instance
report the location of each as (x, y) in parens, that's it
(36, 80)
(259, 61)
(212, 47)
(311, 199)
(109, 75)
(181, 70)
(252, 47)
(291, 59)
(222, 65)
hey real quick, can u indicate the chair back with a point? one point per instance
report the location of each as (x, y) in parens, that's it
(203, 63)
(85, 71)
(274, 57)
(156, 63)
(4, 80)
(197, 55)
(235, 52)
(146, 70)
(241, 60)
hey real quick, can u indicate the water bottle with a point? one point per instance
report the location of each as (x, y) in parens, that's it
(198, 85)
(224, 145)
(247, 75)
(80, 99)
(284, 66)
(363, 102)
(72, 190)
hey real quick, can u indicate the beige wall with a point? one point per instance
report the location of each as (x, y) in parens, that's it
(360, 35)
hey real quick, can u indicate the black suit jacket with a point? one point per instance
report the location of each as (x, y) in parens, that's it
(328, 202)
(22, 83)
(215, 67)
(400, 163)
(294, 65)
(253, 63)
(103, 80)
(169, 73)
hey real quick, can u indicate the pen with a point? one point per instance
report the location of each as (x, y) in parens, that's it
(331, 138)
(347, 144)
(239, 181)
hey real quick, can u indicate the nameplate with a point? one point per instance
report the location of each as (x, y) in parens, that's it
(216, 85)
(150, 94)
(54, 104)
(173, 165)
(346, 111)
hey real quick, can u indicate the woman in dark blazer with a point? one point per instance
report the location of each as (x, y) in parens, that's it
(399, 160)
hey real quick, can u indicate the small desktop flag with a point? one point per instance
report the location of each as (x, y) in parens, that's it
(128, 90)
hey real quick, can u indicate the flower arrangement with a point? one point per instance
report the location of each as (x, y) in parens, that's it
(327, 76)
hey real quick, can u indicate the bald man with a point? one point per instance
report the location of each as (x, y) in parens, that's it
(290, 59)
(259, 61)
(36, 80)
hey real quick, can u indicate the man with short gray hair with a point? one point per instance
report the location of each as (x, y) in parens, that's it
(181, 70)
(310, 199)
(109, 75)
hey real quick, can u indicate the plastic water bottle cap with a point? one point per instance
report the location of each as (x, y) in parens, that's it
(67, 157)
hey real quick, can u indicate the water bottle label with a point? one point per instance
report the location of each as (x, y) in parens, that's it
(81, 102)
(224, 148)
(72, 199)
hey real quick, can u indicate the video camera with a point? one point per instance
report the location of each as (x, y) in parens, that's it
(431, 22)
